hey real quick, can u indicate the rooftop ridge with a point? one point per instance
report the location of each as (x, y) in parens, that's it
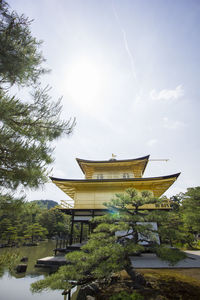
(112, 160)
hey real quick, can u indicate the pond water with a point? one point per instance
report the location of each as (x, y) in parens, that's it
(17, 286)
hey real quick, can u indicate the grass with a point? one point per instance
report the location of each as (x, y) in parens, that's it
(174, 284)
(165, 284)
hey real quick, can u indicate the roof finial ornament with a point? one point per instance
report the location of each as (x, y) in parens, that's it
(113, 157)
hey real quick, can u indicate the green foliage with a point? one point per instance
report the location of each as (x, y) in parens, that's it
(34, 232)
(27, 125)
(95, 260)
(46, 203)
(7, 204)
(134, 219)
(117, 236)
(21, 221)
(176, 202)
(10, 211)
(20, 58)
(197, 244)
(125, 296)
(25, 132)
(191, 209)
(10, 234)
(171, 255)
(9, 259)
(107, 252)
(181, 225)
(132, 199)
(171, 228)
(56, 222)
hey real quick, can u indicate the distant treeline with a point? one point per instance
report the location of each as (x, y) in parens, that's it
(26, 222)
(45, 203)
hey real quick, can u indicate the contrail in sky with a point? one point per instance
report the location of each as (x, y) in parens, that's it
(130, 55)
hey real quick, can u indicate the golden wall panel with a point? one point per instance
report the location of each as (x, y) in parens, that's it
(95, 199)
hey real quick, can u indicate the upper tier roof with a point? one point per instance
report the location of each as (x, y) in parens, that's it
(88, 167)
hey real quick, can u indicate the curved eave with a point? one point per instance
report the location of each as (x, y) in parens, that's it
(158, 185)
(110, 162)
(117, 179)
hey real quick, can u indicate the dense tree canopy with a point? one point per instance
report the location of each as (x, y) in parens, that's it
(181, 224)
(46, 203)
(21, 61)
(191, 209)
(22, 223)
(27, 126)
(117, 236)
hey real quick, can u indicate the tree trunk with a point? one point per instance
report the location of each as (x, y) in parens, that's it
(138, 279)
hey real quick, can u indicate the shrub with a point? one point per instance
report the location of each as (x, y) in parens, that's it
(172, 255)
(125, 296)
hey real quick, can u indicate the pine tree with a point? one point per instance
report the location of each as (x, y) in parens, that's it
(34, 232)
(21, 60)
(27, 126)
(117, 236)
(56, 222)
(190, 212)
(181, 225)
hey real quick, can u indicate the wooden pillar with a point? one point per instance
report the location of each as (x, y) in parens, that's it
(69, 295)
(72, 230)
(81, 234)
(92, 225)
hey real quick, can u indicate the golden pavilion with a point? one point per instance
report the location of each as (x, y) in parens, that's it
(103, 179)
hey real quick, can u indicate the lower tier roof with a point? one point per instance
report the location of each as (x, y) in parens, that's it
(158, 185)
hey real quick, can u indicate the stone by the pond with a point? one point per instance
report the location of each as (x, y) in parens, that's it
(88, 290)
(51, 261)
(24, 259)
(160, 297)
(140, 279)
(30, 244)
(21, 268)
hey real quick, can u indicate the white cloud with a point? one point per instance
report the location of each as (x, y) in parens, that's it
(165, 94)
(169, 124)
(152, 142)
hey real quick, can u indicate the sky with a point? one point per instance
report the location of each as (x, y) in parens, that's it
(129, 71)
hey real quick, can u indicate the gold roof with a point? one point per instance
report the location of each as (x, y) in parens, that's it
(137, 165)
(158, 185)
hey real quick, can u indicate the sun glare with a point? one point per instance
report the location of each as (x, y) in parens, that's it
(84, 81)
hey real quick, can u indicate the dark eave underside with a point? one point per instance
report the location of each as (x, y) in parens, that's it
(94, 212)
(117, 179)
(111, 160)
